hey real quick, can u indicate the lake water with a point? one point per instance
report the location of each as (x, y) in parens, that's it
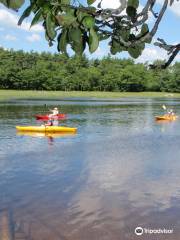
(120, 171)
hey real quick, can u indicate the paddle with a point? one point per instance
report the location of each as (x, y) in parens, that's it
(170, 112)
(164, 107)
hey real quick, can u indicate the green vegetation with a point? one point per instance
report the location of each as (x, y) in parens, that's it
(6, 95)
(45, 71)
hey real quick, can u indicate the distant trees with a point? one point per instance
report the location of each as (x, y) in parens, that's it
(45, 71)
(170, 80)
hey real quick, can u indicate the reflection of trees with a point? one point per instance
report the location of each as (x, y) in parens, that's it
(12, 230)
(40, 186)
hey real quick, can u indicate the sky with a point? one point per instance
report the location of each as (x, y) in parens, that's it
(24, 38)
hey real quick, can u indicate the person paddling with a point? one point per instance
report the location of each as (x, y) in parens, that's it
(53, 117)
(52, 122)
(169, 113)
(54, 113)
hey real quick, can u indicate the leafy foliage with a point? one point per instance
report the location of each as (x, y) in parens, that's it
(14, 4)
(80, 25)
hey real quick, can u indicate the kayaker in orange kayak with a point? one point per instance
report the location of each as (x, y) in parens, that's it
(53, 121)
(171, 113)
(54, 113)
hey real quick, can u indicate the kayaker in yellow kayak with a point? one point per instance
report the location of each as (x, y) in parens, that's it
(52, 122)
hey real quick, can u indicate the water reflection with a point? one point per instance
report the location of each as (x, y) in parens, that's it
(120, 171)
(49, 136)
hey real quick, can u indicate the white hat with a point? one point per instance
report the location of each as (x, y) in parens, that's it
(55, 108)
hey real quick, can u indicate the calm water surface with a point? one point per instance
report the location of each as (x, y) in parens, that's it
(120, 171)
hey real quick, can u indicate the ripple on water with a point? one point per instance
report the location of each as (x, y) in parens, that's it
(120, 170)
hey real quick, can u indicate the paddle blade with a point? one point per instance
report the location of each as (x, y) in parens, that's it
(164, 107)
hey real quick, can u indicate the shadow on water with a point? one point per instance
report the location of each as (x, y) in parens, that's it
(118, 172)
(13, 230)
(49, 136)
(21, 230)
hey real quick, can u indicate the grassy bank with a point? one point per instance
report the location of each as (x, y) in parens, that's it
(6, 95)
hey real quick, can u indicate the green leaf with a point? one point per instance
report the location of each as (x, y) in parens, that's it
(15, 4)
(50, 26)
(91, 9)
(141, 46)
(40, 3)
(37, 18)
(75, 34)
(88, 22)
(135, 51)
(131, 11)
(45, 9)
(67, 2)
(132, 37)
(66, 20)
(144, 29)
(80, 15)
(77, 40)
(25, 14)
(90, 2)
(149, 39)
(93, 40)
(116, 47)
(125, 33)
(133, 3)
(47, 37)
(78, 47)
(62, 41)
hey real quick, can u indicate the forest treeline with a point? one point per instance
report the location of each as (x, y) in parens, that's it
(46, 71)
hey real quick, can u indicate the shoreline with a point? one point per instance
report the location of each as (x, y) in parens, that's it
(10, 95)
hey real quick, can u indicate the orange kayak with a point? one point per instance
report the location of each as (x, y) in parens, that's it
(166, 118)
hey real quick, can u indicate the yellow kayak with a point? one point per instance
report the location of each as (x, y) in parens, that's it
(46, 129)
(166, 118)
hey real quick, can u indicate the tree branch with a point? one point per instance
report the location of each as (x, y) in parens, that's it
(173, 51)
(156, 25)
